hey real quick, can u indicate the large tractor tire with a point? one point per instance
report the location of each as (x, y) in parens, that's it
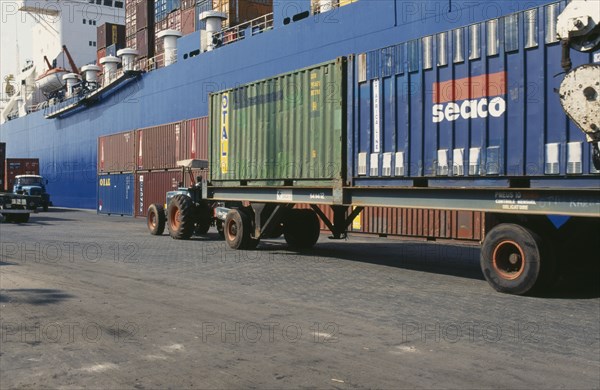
(180, 217)
(203, 219)
(301, 228)
(156, 219)
(515, 260)
(238, 230)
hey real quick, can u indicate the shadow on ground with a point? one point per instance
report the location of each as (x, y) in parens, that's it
(33, 296)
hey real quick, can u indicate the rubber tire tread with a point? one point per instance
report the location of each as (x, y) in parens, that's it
(186, 223)
(301, 228)
(538, 262)
(159, 210)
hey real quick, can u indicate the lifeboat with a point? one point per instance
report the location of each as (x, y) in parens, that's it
(51, 80)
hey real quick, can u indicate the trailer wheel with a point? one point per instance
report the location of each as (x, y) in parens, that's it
(156, 219)
(301, 228)
(203, 219)
(514, 260)
(180, 217)
(23, 218)
(238, 229)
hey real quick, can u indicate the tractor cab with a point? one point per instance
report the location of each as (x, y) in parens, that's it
(34, 185)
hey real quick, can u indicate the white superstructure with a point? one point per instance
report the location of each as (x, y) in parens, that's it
(72, 23)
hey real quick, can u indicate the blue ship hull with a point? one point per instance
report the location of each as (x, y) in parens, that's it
(67, 147)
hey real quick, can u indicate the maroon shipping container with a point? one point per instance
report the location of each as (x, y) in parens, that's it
(144, 14)
(145, 43)
(193, 140)
(111, 34)
(185, 4)
(101, 54)
(116, 153)
(439, 224)
(2, 167)
(152, 187)
(188, 21)
(19, 166)
(156, 147)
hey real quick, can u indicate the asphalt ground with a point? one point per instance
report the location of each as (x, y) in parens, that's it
(92, 301)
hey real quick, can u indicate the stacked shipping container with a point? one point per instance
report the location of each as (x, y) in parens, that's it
(149, 157)
(2, 167)
(110, 38)
(139, 19)
(141, 166)
(19, 166)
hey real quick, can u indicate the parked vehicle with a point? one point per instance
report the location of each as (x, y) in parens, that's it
(14, 207)
(33, 185)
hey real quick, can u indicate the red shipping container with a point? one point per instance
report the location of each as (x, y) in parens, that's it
(145, 43)
(144, 14)
(188, 21)
(156, 147)
(101, 54)
(19, 166)
(152, 187)
(193, 140)
(2, 167)
(116, 153)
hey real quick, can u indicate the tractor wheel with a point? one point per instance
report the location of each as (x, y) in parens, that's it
(180, 217)
(238, 230)
(203, 219)
(515, 260)
(301, 228)
(156, 219)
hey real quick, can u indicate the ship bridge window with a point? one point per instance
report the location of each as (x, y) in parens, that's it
(84, 21)
(118, 4)
(108, 3)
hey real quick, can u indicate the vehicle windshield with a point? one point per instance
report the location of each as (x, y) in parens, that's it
(27, 181)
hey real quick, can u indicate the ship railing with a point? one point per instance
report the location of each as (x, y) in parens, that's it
(243, 30)
(153, 63)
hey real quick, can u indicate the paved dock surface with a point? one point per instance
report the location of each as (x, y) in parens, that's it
(95, 301)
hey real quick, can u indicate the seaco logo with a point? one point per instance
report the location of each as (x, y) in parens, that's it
(469, 98)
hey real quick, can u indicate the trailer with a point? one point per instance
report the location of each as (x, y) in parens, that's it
(467, 119)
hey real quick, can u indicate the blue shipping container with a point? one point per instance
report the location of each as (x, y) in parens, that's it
(116, 194)
(472, 106)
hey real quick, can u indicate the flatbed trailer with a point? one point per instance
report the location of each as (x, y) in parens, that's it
(366, 130)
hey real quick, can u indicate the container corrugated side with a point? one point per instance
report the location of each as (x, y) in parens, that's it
(116, 194)
(289, 127)
(19, 166)
(188, 21)
(152, 187)
(193, 142)
(144, 14)
(156, 147)
(476, 102)
(116, 152)
(424, 223)
(2, 167)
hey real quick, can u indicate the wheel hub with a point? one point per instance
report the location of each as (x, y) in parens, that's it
(509, 260)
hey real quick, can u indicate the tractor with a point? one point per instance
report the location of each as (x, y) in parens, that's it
(185, 213)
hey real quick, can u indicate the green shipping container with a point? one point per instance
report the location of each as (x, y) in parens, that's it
(285, 130)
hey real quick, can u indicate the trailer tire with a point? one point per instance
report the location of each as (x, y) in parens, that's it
(203, 219)
(24, 218)
(238, 230)
(301, 228)
(180, 217)
(515, 260)
(156, 219)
